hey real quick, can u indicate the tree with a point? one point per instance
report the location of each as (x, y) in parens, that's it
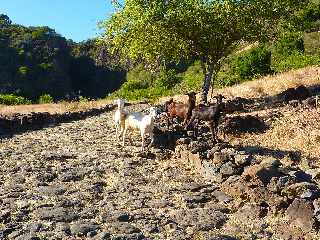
(4, 20)
(159, 31)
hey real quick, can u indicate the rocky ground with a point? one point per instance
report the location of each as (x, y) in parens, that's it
(74, 181)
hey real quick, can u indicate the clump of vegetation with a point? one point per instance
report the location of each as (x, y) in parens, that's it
(11, 99)
(45, 98)
(289, 53)
(142, 84)
(83, 99)
(191, 79)
(253, 63)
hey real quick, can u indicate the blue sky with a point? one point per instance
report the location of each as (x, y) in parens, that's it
(73, 19)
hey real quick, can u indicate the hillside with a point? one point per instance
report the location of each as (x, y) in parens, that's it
(74, 180)
(37, 60)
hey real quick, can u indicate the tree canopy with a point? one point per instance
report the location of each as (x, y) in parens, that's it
(159, 31)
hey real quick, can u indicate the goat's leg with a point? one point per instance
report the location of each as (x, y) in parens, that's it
(216, 133)
(152, 138)
(124, 136)
(142, 136)
(189, 122)
(213, 132)
(196, 128)
(121, 132)
(117, 137)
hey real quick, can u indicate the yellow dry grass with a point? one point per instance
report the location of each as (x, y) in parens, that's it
(274, 84)
(298, 130)
(268, 85)
(52, 107)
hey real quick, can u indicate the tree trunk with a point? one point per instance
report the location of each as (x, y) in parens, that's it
(206, 83)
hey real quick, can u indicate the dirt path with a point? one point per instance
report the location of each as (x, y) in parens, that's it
(75, 180)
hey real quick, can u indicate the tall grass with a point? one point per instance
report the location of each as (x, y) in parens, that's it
(11, 99)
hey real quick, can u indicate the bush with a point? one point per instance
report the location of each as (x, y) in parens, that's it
(11, 99)
(191, 79)
(253, 63)
(288, 44)
(83, 99)
(45, 98)
(166, 79)
(23, 70)
(294, 61)
(288, 53)
(139, 77)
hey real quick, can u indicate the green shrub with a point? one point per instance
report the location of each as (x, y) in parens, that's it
(139, 77)
(312, 43)
(226, 79)
(191, 79)
(166, 79)
(289, 53)
(11, 99)
(294, 61)
(253, 63)
(83, 99)
(23, 70)
(45, 98)
(288, 44)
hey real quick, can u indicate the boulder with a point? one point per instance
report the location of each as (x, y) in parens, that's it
(300, 213)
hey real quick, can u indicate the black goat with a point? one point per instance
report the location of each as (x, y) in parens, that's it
(210, 114)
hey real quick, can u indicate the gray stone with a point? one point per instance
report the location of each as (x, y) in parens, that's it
(82, 228)
(104, 235)
(228, 169)
(57, 214)
(221, 196)
(203, 219)
(219, 157)
(242, 159)
(51, 190)
(300, 213)
(122, 227)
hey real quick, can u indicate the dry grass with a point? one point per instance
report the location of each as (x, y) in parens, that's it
(269, 85)
(298, 130)
(274, 84)
(53, 107)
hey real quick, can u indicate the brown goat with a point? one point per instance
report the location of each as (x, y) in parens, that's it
(180, 110)
(210, 114)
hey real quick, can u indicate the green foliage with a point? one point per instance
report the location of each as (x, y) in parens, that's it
(35, 60)
(312, 43)
(4, 20)
(294, 61)
(46, 66)
(154, 31)
(45, 98)
(253, 63)
(142, 84)
(308, 17)
(83, 99)
(191, 79)
(11, 99)
(167, 79)
(289, 53)
(139, 77)
(288, 44)
(23, 70)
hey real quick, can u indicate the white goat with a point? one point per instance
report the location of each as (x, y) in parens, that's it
(119, 116)
(142, 122)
